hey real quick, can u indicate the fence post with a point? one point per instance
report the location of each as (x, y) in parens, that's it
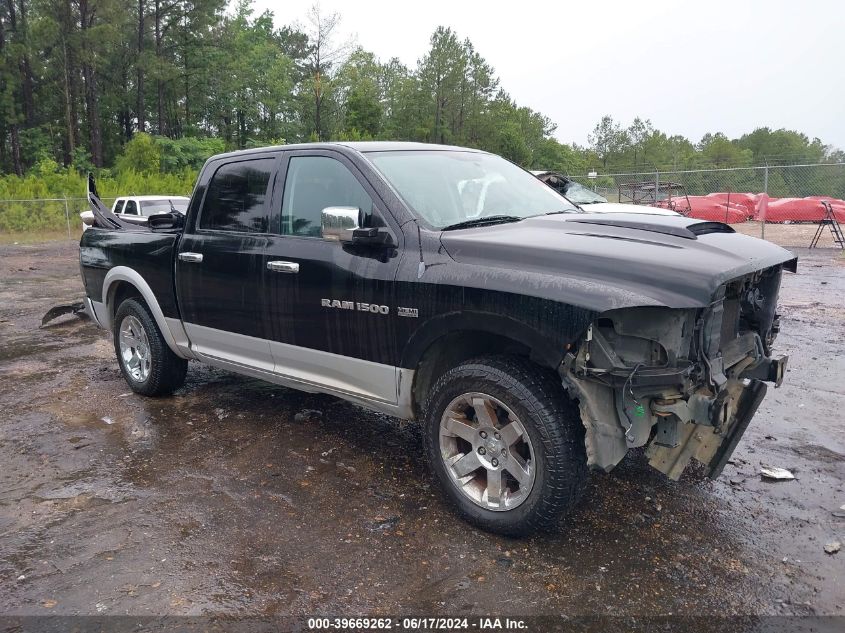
(67, 218)
(656, 185)
(766, 191)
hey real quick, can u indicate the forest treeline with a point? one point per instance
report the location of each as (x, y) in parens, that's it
(135, 88)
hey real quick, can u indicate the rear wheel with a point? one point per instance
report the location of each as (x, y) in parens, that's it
(149, 366)
(506, 444)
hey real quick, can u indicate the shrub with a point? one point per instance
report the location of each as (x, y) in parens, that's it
(141, 154)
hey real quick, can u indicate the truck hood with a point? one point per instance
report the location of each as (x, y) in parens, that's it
(673, 261)
(616, 207)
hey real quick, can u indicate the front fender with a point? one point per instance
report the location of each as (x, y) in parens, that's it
(545, 350)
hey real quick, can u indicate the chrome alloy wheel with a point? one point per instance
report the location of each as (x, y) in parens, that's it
(487, 451)
(134, 349)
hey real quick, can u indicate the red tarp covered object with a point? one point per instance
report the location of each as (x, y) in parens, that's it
(710, 208)
(801, 209)
(746, 200)
(746, 206)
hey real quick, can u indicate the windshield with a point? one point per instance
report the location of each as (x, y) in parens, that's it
(151, 207)
(579, 194)
(448, 187)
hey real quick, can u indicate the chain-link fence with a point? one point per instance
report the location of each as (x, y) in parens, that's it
(786, 204)
(49, 218)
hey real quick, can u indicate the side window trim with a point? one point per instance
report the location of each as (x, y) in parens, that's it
(379, 206)
(268, 194)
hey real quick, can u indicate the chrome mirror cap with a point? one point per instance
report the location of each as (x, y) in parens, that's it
(338, 223)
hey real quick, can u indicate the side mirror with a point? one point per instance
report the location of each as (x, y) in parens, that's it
(339, 223)
(343, 224)
(166, 221)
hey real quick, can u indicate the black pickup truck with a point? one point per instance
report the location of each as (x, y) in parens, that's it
(532, 340)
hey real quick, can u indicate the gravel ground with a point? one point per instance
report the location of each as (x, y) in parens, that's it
(235, 497)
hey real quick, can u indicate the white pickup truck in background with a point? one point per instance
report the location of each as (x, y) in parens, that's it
(138, 208)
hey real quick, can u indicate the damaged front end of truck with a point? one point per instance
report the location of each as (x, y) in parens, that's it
(683, 382)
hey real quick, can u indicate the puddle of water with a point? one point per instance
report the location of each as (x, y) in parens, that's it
(11, 350)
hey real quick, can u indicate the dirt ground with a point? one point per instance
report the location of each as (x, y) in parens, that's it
(795, 237)
(240, 498)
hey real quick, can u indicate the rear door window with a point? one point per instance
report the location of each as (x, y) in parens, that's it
(236, 199)
(118, 206)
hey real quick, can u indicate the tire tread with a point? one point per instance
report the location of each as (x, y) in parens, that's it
(557, 420)
(168, 371)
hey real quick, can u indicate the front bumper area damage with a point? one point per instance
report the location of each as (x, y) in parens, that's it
(683, 382)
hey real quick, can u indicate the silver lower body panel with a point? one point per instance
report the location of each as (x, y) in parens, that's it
(380, 387)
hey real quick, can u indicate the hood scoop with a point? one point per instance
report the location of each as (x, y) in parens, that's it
(689, 232)
(705, 228)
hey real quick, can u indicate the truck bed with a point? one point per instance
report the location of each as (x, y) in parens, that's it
(152, 255)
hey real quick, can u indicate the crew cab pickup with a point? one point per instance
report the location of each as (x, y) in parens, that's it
(531, 340)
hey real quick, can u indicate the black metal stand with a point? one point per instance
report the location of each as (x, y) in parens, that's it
(829, 220)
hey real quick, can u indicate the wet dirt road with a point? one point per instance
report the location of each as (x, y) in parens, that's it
(242, 498)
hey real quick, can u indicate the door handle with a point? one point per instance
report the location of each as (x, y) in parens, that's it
(194, 258)
(283, 267)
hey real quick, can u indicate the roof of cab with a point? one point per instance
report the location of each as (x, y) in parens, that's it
(162, 196)
(403, 146)
(363, 147)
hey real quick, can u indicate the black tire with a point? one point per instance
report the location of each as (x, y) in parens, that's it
(552, 422)
(166, 371)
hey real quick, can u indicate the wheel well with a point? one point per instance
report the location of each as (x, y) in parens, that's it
(119, 292)
(454, 348)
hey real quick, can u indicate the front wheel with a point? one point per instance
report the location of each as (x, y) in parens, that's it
(506, 444)
(149, 366)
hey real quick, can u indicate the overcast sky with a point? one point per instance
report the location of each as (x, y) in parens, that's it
(690, 67)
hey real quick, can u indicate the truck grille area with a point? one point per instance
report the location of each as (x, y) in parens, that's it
(747, 314)
(730, 318)
(683, 382)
